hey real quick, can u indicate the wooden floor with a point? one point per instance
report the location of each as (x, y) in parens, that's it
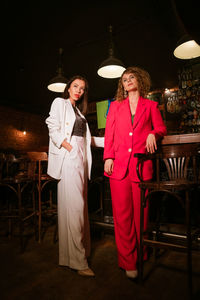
(35, 274)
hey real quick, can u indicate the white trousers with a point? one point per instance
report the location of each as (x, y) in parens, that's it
(73, 224)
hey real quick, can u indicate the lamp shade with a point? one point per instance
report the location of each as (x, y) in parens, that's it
(57, 84)
(187, 48)
(111, 68)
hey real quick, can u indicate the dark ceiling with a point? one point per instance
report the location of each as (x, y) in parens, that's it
(144, 34)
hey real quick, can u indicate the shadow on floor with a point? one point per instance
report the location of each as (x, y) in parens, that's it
(35, 274)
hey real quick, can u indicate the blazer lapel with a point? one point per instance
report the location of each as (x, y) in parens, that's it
(139, 111)
(127, 112)
(80, 113)
(69, 117)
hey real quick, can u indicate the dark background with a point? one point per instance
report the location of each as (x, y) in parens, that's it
(144, 34)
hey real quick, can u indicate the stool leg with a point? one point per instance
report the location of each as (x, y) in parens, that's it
(55, 237)
(9, 222)
(39, 215)
(101, 198)
(39, 202)
(141, 247)
(50, 199)
(189, 241)
(21, 225)
(34, 209)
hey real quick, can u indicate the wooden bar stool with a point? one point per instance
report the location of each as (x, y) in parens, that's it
(176, 160)
(2, 164)
(42, 179)
(17, 195)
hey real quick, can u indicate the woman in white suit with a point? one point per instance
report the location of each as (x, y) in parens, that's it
(70, 162)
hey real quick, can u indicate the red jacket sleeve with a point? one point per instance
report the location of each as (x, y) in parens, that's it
(109, 133)
(159, 128)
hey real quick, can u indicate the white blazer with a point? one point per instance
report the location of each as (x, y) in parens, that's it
(60, 123)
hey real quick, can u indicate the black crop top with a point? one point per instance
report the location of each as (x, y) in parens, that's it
(79, 128)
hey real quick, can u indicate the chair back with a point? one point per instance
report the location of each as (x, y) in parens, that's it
(11, 166)
(35, 166)
(37, 156)
(180, 161)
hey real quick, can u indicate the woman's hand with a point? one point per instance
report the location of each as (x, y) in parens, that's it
(66, 145)
(108, 166)
(151, 145)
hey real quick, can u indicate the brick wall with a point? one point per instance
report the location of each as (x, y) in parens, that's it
(14, 122)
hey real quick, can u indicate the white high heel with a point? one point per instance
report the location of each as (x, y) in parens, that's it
(132, 274)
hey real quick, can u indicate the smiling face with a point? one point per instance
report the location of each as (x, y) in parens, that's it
(76, 90)
(129, 82)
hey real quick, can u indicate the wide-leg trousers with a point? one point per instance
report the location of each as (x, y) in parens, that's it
(125, 196)
(73, 224)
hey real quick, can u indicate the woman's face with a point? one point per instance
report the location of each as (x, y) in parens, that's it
(129, 82)
(76, 90)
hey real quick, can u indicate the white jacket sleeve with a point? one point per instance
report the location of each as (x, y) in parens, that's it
(97, 141)
(54, 122)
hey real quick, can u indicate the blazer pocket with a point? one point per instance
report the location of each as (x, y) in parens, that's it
(73, 153)
(54, 150)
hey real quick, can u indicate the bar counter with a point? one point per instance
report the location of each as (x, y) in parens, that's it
(181, 139)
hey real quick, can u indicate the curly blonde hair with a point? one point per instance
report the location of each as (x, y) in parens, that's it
(144, 83)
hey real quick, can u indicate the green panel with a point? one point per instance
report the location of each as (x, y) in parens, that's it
(102, 108)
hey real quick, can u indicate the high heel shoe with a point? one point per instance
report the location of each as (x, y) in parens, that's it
(87, 272)
(132, 274)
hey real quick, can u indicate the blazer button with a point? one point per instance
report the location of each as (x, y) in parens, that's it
(130, 133)
(67, 123)
(129, 150)
(67, 133)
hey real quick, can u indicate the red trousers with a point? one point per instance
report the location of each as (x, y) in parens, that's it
(125, 196)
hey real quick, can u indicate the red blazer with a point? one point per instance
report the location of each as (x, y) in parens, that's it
(122, 139)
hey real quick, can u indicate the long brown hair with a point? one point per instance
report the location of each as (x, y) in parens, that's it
(83, 101)
(143, 79)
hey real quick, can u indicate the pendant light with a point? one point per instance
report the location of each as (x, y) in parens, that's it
(187, 48)
(58, 83)
(111, 67)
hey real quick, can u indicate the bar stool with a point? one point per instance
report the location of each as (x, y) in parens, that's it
(2, 164)
(176, 160)
(17, 195)
(37, 171)
(97, 184)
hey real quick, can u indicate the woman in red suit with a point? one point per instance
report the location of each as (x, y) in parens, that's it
(133, 125)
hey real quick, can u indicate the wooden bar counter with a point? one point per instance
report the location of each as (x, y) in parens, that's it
(181, 139)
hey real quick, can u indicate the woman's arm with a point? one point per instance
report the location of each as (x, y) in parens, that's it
(151, 144)
(109, 154)
(97, 141)
(108, 166)
(66, 145)
(109, 133)
(159, 129)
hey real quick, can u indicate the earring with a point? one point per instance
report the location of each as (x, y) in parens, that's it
(125, 93)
